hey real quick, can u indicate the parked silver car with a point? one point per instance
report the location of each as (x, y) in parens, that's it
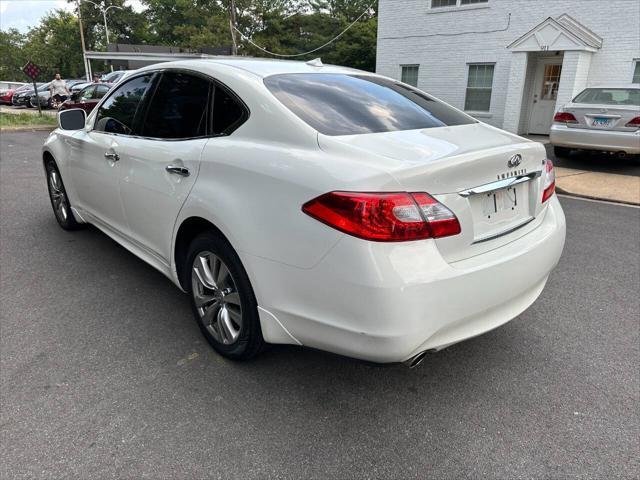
(599, 118)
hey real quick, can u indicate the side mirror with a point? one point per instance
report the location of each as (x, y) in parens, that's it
(74, 96)
(73, 119)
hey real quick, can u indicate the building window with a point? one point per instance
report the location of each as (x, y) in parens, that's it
(551, 82)
(409, 74)
(454, 3)
(636, 73)
(443, 3)
(479, 85)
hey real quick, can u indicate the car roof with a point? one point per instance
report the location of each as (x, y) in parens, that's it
(262, 67)
(615, 86)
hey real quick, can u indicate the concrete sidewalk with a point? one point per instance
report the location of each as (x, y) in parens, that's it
(597, 185)
(591, 184)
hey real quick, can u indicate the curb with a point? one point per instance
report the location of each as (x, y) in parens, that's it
(591, 197)
(28, 128)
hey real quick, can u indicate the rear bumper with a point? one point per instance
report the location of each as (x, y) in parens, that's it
(388, 302)
(605, 140)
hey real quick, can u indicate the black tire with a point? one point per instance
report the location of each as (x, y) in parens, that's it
(249, 342)
(68, 221)
(561, 151)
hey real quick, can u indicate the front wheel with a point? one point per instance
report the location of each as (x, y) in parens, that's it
(222, 299)
(59, 199)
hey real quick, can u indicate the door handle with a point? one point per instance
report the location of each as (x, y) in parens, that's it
(114, 157)
(182, 171)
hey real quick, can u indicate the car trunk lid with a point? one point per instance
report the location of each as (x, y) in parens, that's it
(603, 117)
(489, 178)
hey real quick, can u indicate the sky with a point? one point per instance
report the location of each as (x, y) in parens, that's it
(23, 14)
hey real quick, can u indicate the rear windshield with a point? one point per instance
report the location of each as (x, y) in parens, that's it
(609, 96)
(338, 104)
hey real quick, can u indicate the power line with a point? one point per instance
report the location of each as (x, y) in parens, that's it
(310, 51)
(452, 34)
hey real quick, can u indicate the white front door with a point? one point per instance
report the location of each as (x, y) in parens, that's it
(545, 94)
(95, 173)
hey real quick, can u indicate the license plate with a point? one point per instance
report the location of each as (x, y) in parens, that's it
(601, 122)
(499, 201)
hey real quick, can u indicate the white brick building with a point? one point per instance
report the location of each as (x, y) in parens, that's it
(510, 63)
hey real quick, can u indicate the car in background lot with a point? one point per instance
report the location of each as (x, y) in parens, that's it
(599, 118)
(22, 98)
(116, 76)
(87, 98)
(110, 78)
(6, 94)
(44, 96)
(11, 85)
(312, 205)
(7, 89)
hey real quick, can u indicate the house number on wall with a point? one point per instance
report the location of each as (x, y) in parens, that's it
(544, 47)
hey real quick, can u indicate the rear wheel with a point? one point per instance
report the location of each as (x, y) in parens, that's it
(59, 199)
(561, 151)
(222, 299)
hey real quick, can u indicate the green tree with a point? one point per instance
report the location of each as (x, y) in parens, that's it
(54, 45)
(12, 59)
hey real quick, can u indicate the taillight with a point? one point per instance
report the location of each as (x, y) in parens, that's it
(634, 123)
(565, 117)
(384, 217)
(549, 181)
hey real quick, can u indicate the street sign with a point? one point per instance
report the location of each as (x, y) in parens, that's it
(31, 70)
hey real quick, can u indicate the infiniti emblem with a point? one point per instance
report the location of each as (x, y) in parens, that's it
(514, 161)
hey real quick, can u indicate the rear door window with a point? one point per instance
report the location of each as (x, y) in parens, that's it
(339, 104)
(178, 108)
(118, 112)
(609, 96)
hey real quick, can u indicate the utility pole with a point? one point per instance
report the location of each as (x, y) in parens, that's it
(232, 24)
(84, 54)
(104, 18)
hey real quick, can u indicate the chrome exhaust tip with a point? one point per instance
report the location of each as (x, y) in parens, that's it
(621, 155)
(416, 360)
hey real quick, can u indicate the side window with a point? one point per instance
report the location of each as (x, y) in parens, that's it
(101, 91)
(117, 113)
(178, 108)
(228, 113)
(86, 93)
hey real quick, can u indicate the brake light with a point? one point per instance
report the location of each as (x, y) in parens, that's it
(565, 117)
(634, 123)
(384, 217)
(549, 181)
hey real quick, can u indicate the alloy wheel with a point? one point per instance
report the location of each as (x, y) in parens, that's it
(58, 195)
(216, 298)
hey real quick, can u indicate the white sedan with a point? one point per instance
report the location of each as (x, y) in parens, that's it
(312, 205)
(599, 118)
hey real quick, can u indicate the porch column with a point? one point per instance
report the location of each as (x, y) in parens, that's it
(573, 79)
(515, 91)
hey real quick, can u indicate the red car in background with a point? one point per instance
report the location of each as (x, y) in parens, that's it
(6, 95)
(87, 98)
(6, 92)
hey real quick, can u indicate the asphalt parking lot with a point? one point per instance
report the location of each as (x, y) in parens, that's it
(597, 162)
(103, 372)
